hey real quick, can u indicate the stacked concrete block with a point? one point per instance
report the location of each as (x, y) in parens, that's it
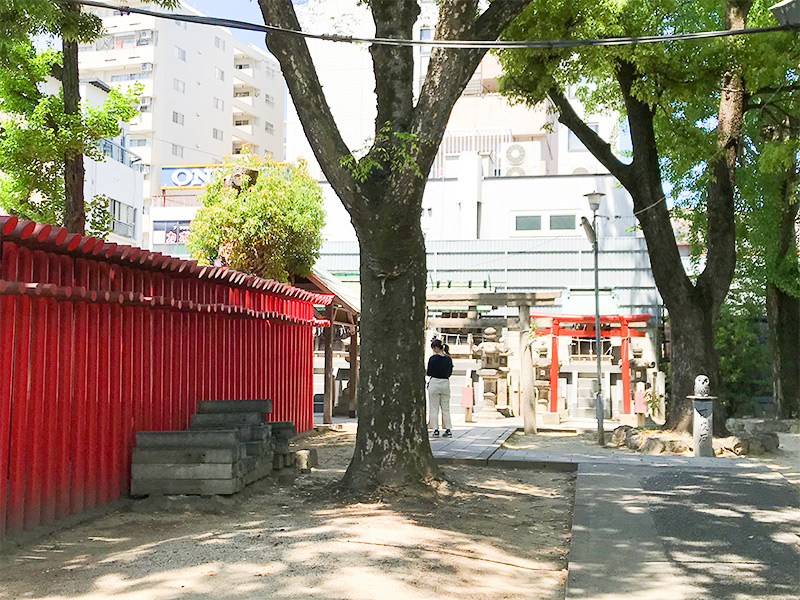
(228, 445)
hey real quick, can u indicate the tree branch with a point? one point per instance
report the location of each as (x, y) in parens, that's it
(394, 65)
(600, 148)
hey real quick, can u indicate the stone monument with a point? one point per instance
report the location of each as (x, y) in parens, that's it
(493, 372)
(703, 405)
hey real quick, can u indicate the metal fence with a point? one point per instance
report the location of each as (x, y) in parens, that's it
(99, 340)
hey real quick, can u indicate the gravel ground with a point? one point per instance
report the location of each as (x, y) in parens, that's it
(488, 534)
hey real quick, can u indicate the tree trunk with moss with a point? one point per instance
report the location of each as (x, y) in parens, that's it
(383, 194)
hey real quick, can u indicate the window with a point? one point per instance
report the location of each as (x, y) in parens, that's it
(562, 222)
(241, 66)
(177, 150)
(127, 40)
(217, 134)
(177, 117)
(220, 104)
(136, 142)
(528, 223)
(169, 237)
(123, 218)
(179, 86)
(131, 76)
(269, 99)
(425, 35)
(241, 122)
(219, 74)
(181, 24)
(269, 128)
(241, 94)
(574, 144)
(180, 53)
(219, 43)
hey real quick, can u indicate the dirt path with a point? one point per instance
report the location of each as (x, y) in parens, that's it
(491, 534)
(787, 459)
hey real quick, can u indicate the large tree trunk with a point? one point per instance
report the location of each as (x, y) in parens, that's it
(783, 318)
(392, 443)
(74, 210)
(383, 195)
(692, 354)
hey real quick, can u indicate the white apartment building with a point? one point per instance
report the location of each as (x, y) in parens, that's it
(204, 95)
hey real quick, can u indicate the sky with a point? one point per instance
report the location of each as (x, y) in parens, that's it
(239, 10)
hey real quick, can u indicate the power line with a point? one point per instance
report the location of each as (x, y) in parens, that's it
(458, 44)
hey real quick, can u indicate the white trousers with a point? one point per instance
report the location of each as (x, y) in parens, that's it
(439, 397)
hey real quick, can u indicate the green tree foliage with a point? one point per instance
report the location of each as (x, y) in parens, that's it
(36, 134)
(268, 227)
(684, 102)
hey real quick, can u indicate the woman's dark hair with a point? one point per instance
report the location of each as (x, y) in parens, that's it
(446, 349)
(437, 343)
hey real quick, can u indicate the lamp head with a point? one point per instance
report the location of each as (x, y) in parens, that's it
(594, 199)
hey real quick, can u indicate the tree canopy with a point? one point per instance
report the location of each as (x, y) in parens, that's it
(269, 226)
(685, 104)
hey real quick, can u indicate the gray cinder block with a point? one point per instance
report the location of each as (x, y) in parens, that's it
(227, 406)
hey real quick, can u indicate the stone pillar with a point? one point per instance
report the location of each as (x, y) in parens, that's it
(526, 385)
(703, 417)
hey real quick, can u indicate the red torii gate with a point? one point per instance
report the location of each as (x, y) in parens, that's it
(623, 331)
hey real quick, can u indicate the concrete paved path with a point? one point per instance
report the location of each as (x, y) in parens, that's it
(663, 528)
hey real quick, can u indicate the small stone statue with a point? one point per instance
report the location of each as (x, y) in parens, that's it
(701, 386)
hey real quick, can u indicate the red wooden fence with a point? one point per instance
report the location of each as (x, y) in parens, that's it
(99, 340)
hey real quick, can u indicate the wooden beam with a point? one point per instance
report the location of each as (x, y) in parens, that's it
(327, 407)
(354, 352)
(467, 298)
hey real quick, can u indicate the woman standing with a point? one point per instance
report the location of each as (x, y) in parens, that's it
(440, 367)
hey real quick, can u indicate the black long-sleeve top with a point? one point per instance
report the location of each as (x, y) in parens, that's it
(440, 366)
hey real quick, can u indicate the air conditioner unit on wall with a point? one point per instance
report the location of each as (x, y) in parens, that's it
(521, 158)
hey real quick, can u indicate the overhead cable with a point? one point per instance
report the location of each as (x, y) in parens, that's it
(457, 44)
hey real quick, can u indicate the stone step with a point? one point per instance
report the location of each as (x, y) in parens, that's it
(263, 407)
(283, 430)
(224, 420)
(188, 471)
(190, 438)
(195, 487)
(186, 455)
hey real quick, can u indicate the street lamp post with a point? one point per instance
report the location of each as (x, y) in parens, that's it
(591, 232)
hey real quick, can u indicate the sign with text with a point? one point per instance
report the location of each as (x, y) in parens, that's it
(187, 177)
